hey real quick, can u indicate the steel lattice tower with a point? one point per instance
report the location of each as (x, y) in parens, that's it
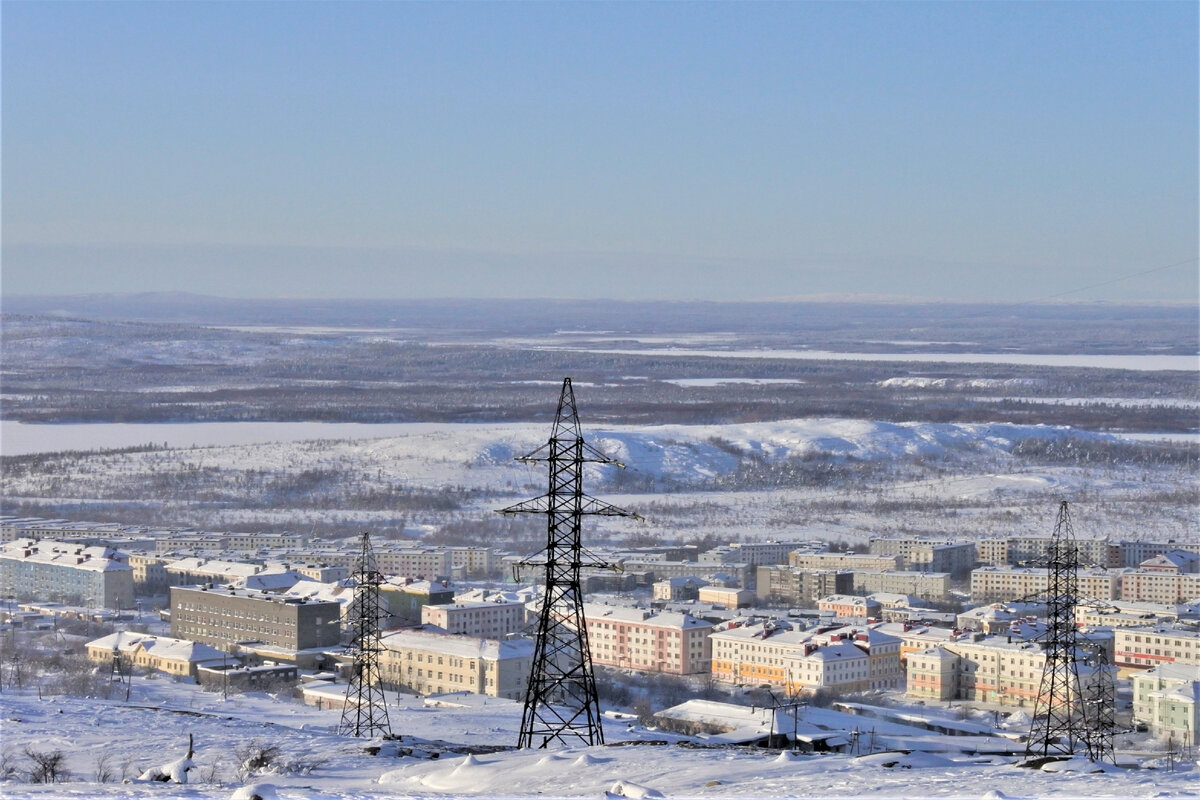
(365, 710)
(1101, 694)
(1059, 716)
(561, 701)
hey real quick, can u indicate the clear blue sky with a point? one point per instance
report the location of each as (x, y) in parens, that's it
(979, 151)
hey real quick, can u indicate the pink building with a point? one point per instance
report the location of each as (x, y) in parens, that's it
(635, 638)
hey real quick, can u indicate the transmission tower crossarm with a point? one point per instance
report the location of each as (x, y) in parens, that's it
(549, 503)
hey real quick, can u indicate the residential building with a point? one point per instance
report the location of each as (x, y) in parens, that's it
(227, 617)
(198, 570)
(756, 654)
(472, 562)
(844, 561)
(1159, 586)
(926, 585)
(849, 605)
(1014, 583)
(1145, 647)
(487, 619)
(1164, 698)
(405, 598)
(801, 588)
(177, 657)
(1134, 553)
(740, 574)
(426, 662)
(730, 598)
(755, 554)
(650, 641)
(43, 569)
(150, 577)
(678, 589)
(927, 555)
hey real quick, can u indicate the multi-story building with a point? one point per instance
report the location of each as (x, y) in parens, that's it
(1124, 614)
(881, 647)
(321, 573)
(926, 585)
(225, 618)
(651, 641)
(425, 662)
(755, 554)
(1158, 586)
(488, 620)
(756, 654)
(95, 577)
(801, 588)
(678, 589)
(1173, 561)
(916, 638)
(1092, 552)
(927, 555)
(1013, 583)
(844, 561)
(981, 669)
(729, 598)
(473, 562)
(404, 598)
(838, 667)
(195, 570)
(1134, 553)
(150, 575)
(850, 606)
(740, 573)
(1165, 698)
(1151, 646)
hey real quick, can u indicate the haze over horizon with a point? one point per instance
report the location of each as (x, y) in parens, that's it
(1000, 152)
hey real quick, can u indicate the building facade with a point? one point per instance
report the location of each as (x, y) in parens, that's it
(649, 641)
(43, 569)
(435, 663)
(225, 618)
(487, 620)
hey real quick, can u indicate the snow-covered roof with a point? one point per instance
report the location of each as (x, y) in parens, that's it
(46, 551)
(648, 617)
(457, 645)
(160, 646)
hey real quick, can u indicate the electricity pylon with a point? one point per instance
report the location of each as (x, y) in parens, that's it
(365, 711)
(1059, 715)
(561, 701)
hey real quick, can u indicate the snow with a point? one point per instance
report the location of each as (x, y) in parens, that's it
(316, 763)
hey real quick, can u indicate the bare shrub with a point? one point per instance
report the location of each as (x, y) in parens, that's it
(47, 766)
(103, 773)
(254, 757)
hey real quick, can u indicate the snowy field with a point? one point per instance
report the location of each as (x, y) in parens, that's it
(152, 729)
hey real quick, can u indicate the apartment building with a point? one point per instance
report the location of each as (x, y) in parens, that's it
(43, 569)
(739, 573)
(1013, 583)
(845, 561)
(756, 654)
(1160, 586)
(472, 562)
(755, 554)
(801, 588)
(927, 555)
(226, 617)
(150, 575)
(849, 605)
(1165, 698)
(488, 620)
(839, 667)
(678, 589)
(650, 641)
(729, 598)
(1151, 646)
(197, 570)
(915, 638)
(1092, 552)
(1134, 553)
(425, 662)
(1125, 614)
(926, 585)
(405, 598)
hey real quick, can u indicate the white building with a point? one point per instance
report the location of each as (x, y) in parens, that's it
(95, 577)
(435, 663)
(486, 619)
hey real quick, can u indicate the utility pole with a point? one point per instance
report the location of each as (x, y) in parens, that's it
(561, 701)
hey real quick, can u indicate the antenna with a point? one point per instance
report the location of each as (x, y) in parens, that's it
(561, 701)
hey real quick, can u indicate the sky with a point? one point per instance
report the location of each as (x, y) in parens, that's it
(1005, 151)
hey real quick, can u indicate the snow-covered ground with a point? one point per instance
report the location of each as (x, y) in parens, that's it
(313, 762)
